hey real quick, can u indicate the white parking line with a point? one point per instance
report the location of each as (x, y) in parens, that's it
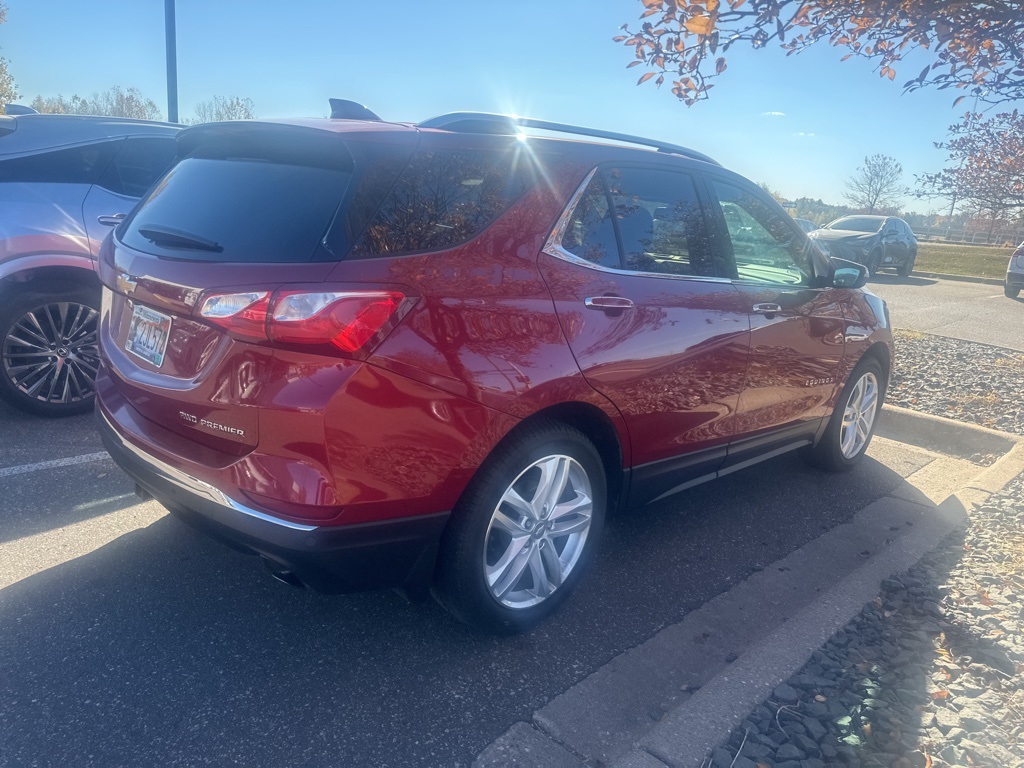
(85, 458)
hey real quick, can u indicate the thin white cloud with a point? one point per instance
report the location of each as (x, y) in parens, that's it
(773, 114)
(803, 135)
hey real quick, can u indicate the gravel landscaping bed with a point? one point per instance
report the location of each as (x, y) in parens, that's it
(960, 380)
(930, 673)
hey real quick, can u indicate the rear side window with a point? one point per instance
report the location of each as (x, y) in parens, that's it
(654, 214)
(77, 165)
(217, 207)
(444, 198)
(138, 164)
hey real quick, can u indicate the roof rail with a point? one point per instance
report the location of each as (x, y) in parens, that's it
(489, 122)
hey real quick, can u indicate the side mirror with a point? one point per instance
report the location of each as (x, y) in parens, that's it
(848, 274)
(110, 221)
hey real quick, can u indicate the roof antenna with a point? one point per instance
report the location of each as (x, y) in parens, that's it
(343, 109)
(19, 109)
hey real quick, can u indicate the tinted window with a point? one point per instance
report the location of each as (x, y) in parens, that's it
(660, 221)
(78, 165)
(655, 215)
(766, 247)
(590, 234)
(444, 198)
(238, 209)
(858, 224)
(138, 164)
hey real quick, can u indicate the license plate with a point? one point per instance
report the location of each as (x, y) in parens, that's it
(147, 335)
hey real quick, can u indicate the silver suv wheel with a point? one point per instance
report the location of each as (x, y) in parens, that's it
(537, 531)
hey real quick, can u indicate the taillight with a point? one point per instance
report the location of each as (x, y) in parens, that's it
(346, 319)
(340, 320)
(244, 314)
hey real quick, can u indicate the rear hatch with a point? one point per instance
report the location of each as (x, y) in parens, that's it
(243, 213)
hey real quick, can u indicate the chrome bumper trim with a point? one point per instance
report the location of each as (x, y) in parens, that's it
(196, 486)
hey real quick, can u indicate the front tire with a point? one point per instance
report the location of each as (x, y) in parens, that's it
(873, 263)
(49, 353)
(525, 529)
(852, 424)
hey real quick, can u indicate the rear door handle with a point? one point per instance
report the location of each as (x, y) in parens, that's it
(768, 310)
(608, 302)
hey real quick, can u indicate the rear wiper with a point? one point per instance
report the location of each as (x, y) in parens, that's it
(169, 237)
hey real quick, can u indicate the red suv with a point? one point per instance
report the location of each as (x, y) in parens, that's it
(433, 356)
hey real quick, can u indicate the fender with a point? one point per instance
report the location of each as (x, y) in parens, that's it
(31, 261)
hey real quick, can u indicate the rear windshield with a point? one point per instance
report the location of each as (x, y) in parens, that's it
(222, 208)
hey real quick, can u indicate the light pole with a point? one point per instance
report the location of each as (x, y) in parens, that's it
(172, 62)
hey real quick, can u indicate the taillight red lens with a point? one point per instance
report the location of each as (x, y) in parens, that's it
(346, 319)
(244, 314)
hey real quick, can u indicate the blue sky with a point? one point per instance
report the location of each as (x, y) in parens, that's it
(800, 123)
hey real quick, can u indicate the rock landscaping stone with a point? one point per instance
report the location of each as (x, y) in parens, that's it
(920, 677)
(959, 380)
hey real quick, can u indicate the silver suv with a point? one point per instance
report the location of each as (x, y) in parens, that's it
(64, 180)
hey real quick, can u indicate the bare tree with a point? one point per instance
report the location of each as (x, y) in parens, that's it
(8, 90)
(114, 102)
(221, 108)
(876, 184)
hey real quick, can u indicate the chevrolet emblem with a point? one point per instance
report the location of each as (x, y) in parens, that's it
(126, 283)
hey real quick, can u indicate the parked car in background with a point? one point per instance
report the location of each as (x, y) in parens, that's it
(1015, 273)
(59, 174)
(806, 225)
(432, 356)
(877, 242)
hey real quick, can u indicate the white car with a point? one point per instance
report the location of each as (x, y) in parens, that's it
(1015, 273)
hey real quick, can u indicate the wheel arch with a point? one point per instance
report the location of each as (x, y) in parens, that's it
(595, 424)
(46, 277)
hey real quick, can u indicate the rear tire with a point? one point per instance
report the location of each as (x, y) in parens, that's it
(1011, 293)
(525, 529)
(49, 353)
(852, 424)
(904, 269)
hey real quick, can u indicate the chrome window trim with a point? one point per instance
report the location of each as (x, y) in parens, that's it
(553, 246)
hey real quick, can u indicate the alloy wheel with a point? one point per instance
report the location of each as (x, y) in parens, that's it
(537, 531)
(50, 353)
(859, 415)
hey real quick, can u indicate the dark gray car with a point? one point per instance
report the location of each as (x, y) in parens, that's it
(877, 242)
(59, 175)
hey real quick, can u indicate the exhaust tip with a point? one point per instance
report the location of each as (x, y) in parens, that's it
(282, 573)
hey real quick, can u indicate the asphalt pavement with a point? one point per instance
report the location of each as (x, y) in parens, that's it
(970, 311)
(128, 639)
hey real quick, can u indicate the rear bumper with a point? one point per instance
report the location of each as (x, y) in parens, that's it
(1015, 279)
(344, 558)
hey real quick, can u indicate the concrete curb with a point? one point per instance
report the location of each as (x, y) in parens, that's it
(935, 433)
(638, 711)
(960, 278)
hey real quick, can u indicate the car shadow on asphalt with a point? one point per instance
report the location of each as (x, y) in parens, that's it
(163, 644)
